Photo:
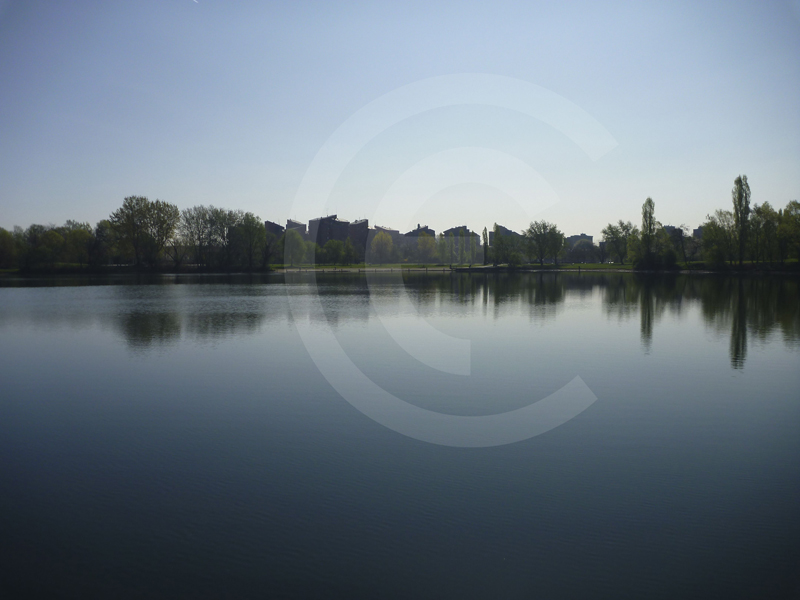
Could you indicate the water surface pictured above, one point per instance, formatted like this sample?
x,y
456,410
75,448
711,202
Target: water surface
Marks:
x,y
171,436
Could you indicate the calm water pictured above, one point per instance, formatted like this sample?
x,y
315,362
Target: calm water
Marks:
x,y
172,437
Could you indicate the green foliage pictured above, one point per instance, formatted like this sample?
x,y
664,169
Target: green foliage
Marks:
x,y
583,252
381,247
649,227
616,236
451,247
143,227
426,247
8,250
538,240
441,248
719,239
333,252
349,254
556,243
741,212
294,248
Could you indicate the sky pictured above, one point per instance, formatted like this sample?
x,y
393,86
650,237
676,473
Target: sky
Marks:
x,y
437,113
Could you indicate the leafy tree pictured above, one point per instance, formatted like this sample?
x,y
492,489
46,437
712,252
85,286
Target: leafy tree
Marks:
x,y
130,225
504,249
78,238
649,227
601,250
269,248
381,247
789,229
349,255
196,228
537,240
616,236
333,250
294,247
461,246
8,251
162,223
441,248
313,252
102,247
741,212
762,239
451,245
556,243
223,225
426,246
582,252
719,233
250,236
52,246
678,238
144,227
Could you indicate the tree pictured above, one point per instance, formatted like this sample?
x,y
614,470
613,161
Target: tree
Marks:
x,y
195,226
102,248
601,250
556,243
426,246
223,223
537,240
504,249
333,250
8,251
741,212
130,225
789,229
269,248
350,255
52,246
144,228
582,252
381,247
162,220
678,238
78,238
616,236
649,226
250,235
313,253
719,232
441,248
294,247
451,248
461,246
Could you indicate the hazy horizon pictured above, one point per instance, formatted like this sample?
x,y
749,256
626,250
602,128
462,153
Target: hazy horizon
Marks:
x,y
209,103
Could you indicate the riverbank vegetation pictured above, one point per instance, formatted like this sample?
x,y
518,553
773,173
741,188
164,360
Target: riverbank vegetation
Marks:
x,y
156,235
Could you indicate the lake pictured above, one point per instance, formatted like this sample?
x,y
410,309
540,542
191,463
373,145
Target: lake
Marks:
x,y
262,436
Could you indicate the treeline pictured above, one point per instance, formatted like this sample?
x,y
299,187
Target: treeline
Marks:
x,y
759,235
145,234
156,234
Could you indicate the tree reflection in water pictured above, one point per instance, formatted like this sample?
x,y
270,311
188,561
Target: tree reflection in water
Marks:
x,y
158,311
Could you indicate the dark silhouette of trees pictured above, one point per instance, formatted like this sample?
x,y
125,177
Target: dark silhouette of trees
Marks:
x,y
537,240
294,247
381,247
741,212
616,236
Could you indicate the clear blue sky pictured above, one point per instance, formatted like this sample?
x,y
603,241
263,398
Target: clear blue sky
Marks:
x,y
227,103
